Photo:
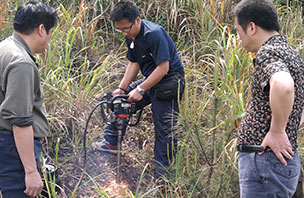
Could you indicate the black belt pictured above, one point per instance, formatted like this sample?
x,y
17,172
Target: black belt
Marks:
x,y
249,148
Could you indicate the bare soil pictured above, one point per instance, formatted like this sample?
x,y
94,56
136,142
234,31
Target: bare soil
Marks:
x,y
101,170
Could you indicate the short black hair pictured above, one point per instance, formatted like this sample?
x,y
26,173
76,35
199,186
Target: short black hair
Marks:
x,y
32,14
261,12
124,10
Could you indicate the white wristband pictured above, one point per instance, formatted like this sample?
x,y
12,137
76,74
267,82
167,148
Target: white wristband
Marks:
x,y
140,90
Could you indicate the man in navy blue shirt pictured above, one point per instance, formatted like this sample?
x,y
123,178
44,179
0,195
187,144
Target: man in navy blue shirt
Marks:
x,y
151,51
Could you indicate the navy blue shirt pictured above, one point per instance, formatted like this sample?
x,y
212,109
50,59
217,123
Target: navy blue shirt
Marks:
x,y
153,46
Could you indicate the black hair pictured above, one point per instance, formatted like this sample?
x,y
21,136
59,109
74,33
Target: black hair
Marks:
x,y
261,12
124,10
32,14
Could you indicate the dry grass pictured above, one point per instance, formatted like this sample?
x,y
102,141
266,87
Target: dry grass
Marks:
x,y
86,58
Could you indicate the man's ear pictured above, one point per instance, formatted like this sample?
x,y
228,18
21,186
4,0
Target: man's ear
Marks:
x,y
251,28
41,30
137,20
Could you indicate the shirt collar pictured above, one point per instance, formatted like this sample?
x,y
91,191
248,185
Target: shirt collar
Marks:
x,y
141,32
275,38
20,40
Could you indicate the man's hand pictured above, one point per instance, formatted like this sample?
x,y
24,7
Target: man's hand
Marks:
x,y
278,142
134,96
118,92
33,184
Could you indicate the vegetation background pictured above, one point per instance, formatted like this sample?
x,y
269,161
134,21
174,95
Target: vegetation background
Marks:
x,y
86,59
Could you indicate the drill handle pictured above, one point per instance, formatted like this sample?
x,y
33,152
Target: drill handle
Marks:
x,y
119,97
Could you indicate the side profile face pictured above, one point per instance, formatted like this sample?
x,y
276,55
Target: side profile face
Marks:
x,y
47,38
244,37
42,39
128,29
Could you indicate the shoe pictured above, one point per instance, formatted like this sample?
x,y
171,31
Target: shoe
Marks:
x,y
104,147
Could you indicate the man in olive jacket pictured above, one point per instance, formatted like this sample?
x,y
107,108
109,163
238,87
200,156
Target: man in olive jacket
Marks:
x,y
22,113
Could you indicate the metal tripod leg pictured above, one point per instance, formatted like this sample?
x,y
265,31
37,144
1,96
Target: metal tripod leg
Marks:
x,y
118,156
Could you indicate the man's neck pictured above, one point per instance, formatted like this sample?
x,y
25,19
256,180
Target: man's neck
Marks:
x,y
137,31
264,36
28,39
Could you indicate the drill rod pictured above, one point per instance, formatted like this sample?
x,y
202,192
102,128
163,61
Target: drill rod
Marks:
x,y
118,157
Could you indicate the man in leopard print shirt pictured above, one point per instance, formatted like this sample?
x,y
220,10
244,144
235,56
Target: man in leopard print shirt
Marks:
x,y
276,104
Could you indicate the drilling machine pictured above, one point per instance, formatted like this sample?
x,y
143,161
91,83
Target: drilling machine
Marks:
x,y
120,113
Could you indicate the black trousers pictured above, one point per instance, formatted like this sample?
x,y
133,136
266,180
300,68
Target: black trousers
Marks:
x,y
12,175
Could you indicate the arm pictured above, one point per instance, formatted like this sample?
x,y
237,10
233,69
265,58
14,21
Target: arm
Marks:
x,y
302,118
281,102
160,71
130,73
24,139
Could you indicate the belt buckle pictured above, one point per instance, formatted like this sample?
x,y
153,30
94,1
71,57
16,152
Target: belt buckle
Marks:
x,y
240,147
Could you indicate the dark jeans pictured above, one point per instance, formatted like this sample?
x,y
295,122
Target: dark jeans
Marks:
x,y
164,116
12,175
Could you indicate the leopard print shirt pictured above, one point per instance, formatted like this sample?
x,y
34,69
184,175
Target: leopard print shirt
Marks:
x,y
275,55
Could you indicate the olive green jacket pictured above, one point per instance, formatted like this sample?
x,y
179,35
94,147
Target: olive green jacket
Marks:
x,y
21,95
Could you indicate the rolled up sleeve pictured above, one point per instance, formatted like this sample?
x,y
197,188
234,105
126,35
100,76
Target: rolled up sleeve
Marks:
x,y
18,85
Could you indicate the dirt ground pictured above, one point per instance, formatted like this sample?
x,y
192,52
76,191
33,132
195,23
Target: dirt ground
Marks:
x,y
100,175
